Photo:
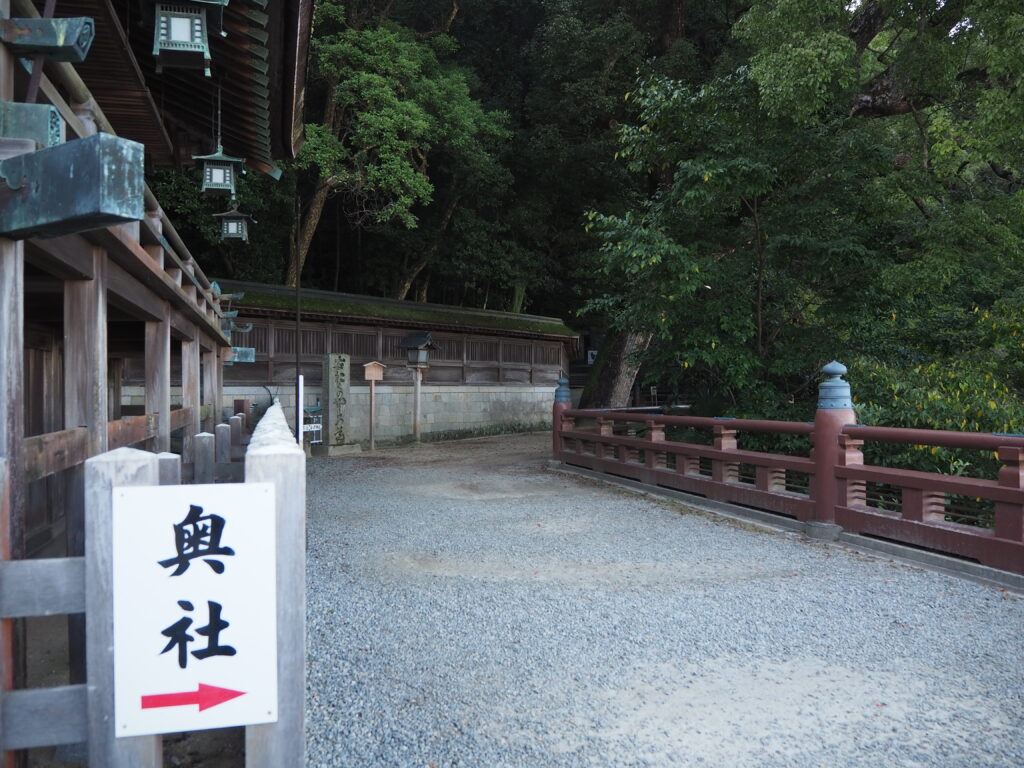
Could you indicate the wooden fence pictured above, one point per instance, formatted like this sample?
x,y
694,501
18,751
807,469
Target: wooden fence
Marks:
x,y
830,488
75,714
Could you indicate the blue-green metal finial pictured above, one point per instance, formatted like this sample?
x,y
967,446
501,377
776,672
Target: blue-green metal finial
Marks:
x,y
834,393
562,392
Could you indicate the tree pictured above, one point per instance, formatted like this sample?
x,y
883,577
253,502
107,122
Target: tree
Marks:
x,y
844,181
392,104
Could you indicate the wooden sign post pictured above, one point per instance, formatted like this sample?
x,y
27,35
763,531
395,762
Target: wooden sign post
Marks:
x,y
373,372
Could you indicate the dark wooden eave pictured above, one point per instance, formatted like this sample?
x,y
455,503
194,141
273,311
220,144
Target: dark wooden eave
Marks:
x,y
259,67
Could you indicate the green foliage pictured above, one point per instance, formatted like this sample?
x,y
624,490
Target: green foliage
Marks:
x,y
268,201
951,394
394,104
785,228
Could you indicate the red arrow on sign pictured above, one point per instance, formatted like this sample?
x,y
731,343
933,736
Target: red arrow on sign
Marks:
x,y
205,696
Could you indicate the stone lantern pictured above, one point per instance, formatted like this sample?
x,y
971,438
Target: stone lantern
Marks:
x,y
417,348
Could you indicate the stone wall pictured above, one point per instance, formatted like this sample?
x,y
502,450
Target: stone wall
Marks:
x,y
447,411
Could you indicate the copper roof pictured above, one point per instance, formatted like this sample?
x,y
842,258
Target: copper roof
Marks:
x,y
259,67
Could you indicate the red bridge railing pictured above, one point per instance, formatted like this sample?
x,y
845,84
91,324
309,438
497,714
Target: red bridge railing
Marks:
x,y
829,490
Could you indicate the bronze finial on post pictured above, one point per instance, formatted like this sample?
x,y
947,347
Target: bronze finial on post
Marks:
x,y
835,410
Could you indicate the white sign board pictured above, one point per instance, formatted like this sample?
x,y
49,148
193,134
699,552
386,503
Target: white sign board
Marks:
x,y
195,607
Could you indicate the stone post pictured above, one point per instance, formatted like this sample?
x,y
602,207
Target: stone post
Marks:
x,y
835,410
563,402
336,396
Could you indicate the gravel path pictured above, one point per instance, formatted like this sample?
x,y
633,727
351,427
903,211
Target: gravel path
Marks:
x,y
469,608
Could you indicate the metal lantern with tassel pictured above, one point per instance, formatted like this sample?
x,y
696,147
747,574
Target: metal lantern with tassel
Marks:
x,y
180,33
220,171
234,225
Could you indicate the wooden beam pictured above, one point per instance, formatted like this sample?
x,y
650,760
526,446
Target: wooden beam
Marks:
x,y
43,717
182,327
68,257
130,430
49,587
129,295
130,255
181,417
56,451
158,378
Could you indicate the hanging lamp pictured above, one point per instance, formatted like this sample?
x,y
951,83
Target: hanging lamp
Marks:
x,y
180,33
234,225
220,171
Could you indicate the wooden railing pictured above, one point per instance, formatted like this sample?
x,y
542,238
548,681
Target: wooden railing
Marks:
x,y
84,712
920,511
55,452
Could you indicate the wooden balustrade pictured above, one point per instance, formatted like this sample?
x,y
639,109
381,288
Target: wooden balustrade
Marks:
x,y
55,452
923,518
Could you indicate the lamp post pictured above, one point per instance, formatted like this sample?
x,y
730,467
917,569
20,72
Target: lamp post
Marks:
x,y
417,347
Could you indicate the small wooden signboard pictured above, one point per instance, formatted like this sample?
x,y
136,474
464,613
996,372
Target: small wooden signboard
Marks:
x,y
195,607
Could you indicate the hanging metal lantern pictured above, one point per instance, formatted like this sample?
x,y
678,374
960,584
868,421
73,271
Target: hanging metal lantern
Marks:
x,y
180,37
234,225
220,171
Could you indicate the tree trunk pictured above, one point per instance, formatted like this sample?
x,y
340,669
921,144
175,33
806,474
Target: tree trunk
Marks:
x,y
405,283
611,379
307,228
307,224
518,297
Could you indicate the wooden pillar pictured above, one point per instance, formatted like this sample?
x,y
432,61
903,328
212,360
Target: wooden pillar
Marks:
x,y
190,393
12,411
218,384
12,429
115,377
210,364
85,405
158,378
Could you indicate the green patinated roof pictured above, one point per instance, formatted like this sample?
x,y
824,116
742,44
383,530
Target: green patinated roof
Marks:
x,y
370,309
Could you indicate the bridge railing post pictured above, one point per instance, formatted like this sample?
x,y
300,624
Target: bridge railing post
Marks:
x,y
722,470
563,402
835,410
1009,523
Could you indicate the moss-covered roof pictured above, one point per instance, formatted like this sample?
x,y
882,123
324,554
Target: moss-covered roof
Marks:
x,y
370,309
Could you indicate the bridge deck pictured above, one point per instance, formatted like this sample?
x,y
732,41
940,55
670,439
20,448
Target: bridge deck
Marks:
x,y
468,607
